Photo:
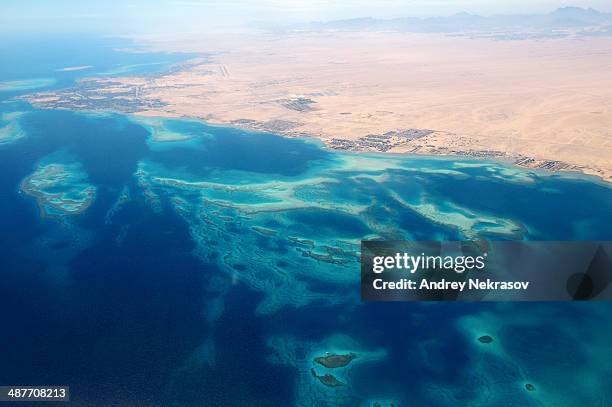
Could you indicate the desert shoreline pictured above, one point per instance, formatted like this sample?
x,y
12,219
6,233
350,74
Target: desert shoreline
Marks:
x,y
528,102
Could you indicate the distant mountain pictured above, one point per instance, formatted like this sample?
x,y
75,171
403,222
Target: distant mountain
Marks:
x,y
565,18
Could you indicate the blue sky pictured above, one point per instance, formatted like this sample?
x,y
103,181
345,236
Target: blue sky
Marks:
x,y
127,16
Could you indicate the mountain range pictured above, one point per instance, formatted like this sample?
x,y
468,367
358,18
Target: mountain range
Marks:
x,y
559,22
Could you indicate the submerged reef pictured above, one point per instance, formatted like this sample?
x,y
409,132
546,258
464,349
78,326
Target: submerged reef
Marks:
x,y
163,130
60,186
246,221
10,128
25,84
123,198
528,346
239,226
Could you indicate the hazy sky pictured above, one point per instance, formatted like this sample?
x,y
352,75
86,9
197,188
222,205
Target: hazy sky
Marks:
x,y
158,15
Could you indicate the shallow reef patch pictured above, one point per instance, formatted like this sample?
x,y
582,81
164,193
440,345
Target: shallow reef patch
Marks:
x,y
60,186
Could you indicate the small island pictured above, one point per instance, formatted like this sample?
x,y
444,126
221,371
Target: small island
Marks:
x,y
328,379
334,361
485,339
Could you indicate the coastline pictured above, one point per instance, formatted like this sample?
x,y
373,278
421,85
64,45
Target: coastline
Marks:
x,y
445,97
118,95
519,163
542,166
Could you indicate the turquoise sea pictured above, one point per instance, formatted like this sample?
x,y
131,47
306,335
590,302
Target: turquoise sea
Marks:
x,y
163,262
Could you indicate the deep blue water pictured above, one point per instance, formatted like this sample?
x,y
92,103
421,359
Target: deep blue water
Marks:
x,y
119,310
238,151
122,320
